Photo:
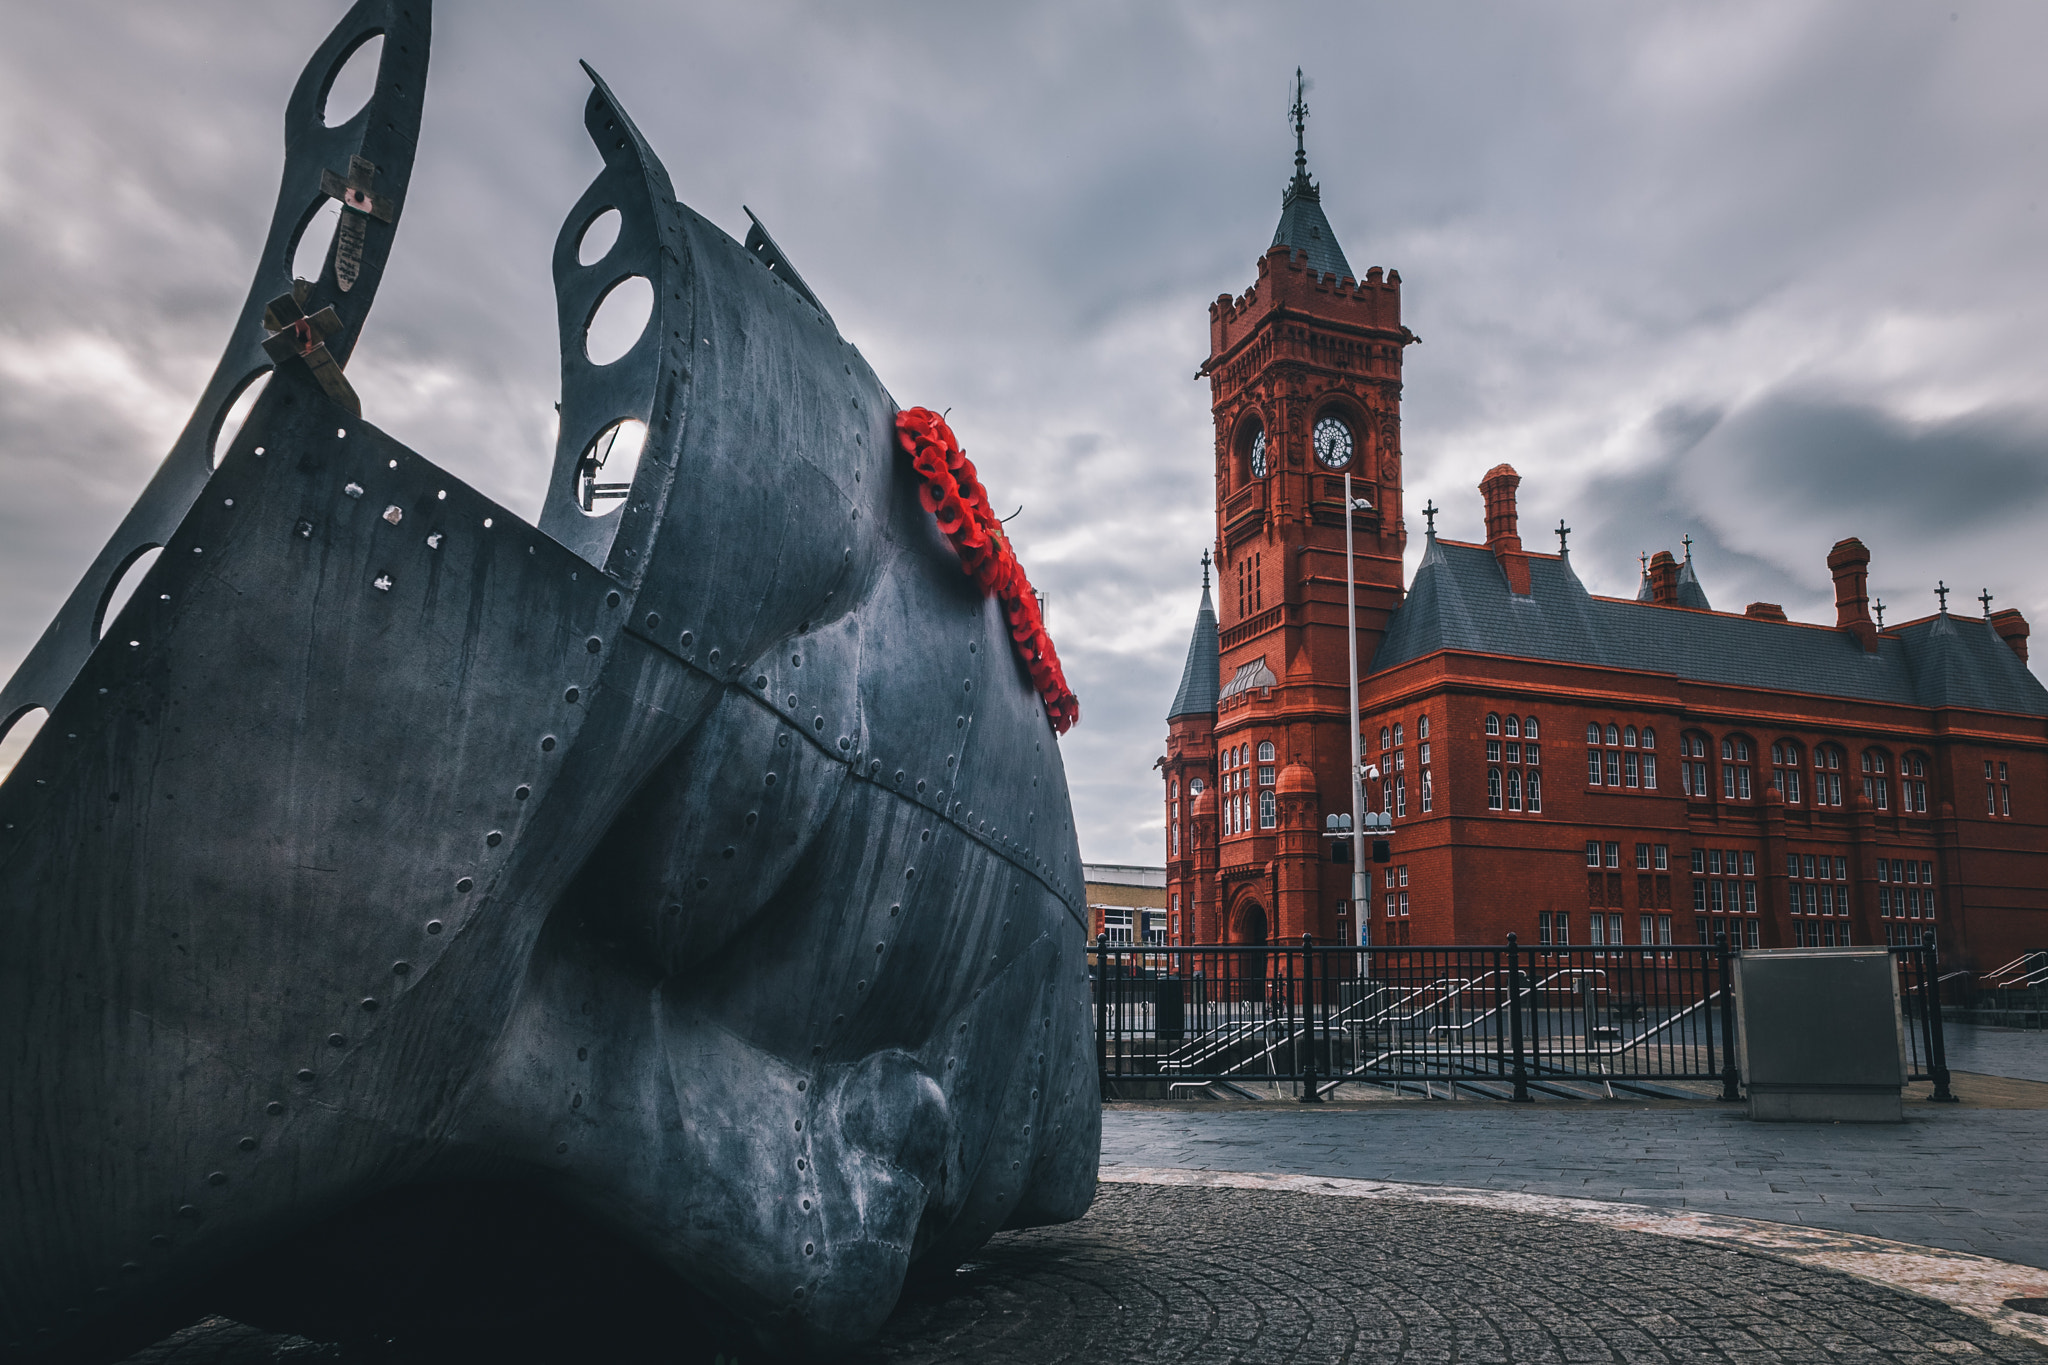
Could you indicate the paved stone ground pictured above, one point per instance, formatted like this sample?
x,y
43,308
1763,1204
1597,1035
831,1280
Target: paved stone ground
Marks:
x,y
1203,1275
1968,1180
2020,1054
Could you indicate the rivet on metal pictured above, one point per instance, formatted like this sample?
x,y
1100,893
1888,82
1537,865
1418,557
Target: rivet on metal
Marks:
x,y
462,884
433,926
336,1040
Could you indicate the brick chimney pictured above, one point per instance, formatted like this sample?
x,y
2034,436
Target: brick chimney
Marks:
x,y
1663,579
2013,629
1764,611
1850,563
1499,487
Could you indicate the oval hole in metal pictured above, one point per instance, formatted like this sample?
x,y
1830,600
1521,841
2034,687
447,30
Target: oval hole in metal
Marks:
x,y
604,476
352,83
229,423
15,736
599,236
123,587
316,241
619,319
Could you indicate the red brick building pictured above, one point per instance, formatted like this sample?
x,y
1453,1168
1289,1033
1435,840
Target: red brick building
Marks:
x,y
1569,767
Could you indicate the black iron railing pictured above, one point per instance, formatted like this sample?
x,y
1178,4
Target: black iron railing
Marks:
x,y
1501,1021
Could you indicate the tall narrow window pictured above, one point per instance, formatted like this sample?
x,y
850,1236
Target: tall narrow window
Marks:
x,y
1428,792
1614,767
1593,768
1514,789
1631,774
1535,785
1493,789
1400,795
1649,772
1268,816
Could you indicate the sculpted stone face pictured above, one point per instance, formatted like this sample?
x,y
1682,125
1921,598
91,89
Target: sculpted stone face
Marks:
x,y
699,866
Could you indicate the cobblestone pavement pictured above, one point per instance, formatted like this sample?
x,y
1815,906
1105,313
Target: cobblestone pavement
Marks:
x,y
1160,1274
1968,1180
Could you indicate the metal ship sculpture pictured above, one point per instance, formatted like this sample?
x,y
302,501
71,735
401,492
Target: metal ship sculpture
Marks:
x,y
684,886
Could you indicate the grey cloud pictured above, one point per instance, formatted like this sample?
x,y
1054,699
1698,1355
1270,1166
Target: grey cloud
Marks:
x,y
1613,220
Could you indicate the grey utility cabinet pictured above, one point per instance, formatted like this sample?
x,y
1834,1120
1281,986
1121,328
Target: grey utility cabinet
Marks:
x,y
1822,1036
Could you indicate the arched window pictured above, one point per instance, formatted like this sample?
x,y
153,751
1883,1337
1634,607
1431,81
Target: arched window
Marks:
x,y
1422,727
1266,751
1592,732
1827,775
1514,727
1535,783
1529,730
1268,812
1398,740
1492,723
1384,743
1737,777
1913,783
1628,737
1175,787
1514,789
1693,771
1785,771
1649,738
1613,733
1877,784
1493,789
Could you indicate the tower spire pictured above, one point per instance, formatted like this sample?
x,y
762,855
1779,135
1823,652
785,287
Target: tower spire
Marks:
x,y
1300,115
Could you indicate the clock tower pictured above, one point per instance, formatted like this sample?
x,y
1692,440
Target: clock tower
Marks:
x,y
1304,370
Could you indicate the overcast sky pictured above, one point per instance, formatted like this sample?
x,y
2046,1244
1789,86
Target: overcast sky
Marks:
x,y
1771,274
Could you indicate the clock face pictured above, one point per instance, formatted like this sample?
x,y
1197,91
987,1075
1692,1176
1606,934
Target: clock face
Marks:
x,y
1259,455
1333,443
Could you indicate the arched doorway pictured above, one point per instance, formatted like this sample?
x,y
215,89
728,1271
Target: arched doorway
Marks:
x,y
1248,926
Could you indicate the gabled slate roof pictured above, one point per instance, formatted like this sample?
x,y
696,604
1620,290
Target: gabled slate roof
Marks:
x,y
1198,677
1460,600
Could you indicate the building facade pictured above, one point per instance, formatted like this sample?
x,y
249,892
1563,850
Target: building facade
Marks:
x,y
1566,767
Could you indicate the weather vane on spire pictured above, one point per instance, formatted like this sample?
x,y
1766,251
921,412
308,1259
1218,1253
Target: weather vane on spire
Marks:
x,y
1300,115
1205,570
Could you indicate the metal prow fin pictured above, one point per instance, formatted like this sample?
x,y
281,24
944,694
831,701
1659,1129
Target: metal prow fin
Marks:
x,y
764,248
367,162
612,524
